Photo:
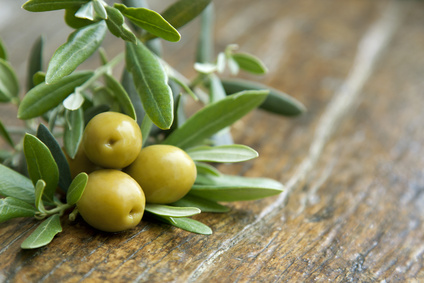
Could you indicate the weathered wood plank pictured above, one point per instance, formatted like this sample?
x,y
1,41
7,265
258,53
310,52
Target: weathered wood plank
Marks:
x,y
353,166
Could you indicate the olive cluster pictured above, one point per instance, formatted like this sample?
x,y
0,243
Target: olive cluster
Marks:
x,y
123,176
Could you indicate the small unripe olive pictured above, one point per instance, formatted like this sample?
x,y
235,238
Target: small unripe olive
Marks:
x,y
112,140
112,201
166,173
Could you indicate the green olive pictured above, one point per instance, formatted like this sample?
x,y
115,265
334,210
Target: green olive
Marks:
x,y
80,163
112,140
112,201
166,173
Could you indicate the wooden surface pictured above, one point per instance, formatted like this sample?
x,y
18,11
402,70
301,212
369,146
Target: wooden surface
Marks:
x,y
353,165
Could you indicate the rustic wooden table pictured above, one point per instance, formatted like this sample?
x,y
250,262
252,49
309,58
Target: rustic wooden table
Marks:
x,y
353,165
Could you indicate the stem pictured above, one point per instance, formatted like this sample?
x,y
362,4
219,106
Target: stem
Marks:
x,y
57,210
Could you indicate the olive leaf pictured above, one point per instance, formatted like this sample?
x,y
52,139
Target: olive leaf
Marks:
x,y
81,44
9,85
5,134
151,83
13,184
99,9
234,188
44,97
50,5
48,139
39,191
35,61
127,82
121,96
74,22
249,63
188,224
204,168
171,211
3,51
73,132
276,102
224,153
76,189
44,233
86,12
12,208
205,205
41,164
214,117
150,21
204,50
116,25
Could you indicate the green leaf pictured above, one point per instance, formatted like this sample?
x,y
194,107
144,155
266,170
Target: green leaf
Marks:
x,y
35,61
9,85
39,191
73,21
44,233
81,44
215,117
73,131
41,164
189,224
121,95
205,205
276,102
13,184
127,82
249,63
151,21
223,153
171,211
3,51
183,11
38,78
12,208
234,188
205,169
205,46
86,12
5,134
50,5
99,9
216,90
44,97
151,83
116,25
76,189
146,127
48,139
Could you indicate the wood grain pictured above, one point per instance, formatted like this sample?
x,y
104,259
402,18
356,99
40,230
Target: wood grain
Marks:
x,y
353,165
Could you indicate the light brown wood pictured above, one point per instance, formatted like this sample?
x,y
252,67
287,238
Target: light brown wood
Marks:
x,y
353,165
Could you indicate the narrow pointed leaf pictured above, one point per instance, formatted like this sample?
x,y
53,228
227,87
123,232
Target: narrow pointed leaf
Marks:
x,y
276,102
215,117
205,205
5,134
81,44
41,164
9,85
190,225
121,95
39,190
99,9
205,46
73,21
150,21
48,139
249,63
127,82
73,132
171,211
116,25
183,11
235,188
44,97
76,189
12,208
86,12
223,153
151,83
206,169
44,233
13,184
35,61
50,5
